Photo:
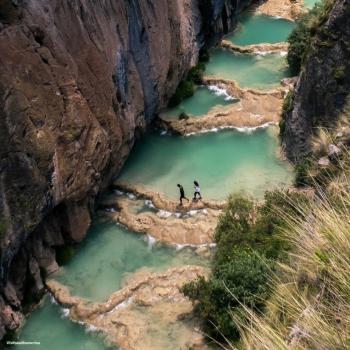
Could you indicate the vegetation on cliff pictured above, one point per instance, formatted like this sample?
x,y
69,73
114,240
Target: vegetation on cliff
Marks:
x,y
248,245
187,87
309,306
301,39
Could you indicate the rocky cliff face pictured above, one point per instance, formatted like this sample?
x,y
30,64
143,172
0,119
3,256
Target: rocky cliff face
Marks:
x,y
323,85
79,80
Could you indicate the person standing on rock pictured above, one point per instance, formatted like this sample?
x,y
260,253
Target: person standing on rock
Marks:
x,y
182,194
197,190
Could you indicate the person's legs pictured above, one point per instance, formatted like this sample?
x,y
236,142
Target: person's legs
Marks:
x,y
199,195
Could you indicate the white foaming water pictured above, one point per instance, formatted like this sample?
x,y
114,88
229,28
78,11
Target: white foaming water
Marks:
x,y
164,214
283,53
119,193
221,92
53,300
182,246
149,204
65,312
110,210
90,329
151,241
245,129
131,195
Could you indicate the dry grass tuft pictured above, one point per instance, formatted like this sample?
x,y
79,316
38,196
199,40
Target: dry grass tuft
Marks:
x,y
310,307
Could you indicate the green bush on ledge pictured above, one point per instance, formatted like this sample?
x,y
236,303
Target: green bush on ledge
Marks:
x,y
248,243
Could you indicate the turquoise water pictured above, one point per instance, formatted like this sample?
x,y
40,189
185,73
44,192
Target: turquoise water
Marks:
x,y
110,253
310,3
54,332
201,102
254,71
260,29
223,162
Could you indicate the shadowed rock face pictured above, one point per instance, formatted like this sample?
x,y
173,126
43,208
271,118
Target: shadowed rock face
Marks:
x,y
78,81
323,85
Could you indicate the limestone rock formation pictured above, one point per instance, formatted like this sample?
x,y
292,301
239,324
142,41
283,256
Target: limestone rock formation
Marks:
x,y
79,80
149,313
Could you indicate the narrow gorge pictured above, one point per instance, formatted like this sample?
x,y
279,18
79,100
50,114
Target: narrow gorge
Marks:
x,y
105,107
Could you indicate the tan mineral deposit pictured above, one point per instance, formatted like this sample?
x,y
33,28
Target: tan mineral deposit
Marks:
x,y
256,108
149,313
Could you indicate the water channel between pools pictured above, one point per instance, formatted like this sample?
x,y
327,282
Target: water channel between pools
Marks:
x,y
223,162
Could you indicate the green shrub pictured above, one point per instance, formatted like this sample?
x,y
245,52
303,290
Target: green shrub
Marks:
x,y
301,39
242,279
232,228
184,90
286,108
204,55
64,254
196,73
183,116
288,103
339,73
186,87
302,170
249,241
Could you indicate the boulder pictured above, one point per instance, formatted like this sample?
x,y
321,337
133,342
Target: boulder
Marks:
x,y
333,152
324,161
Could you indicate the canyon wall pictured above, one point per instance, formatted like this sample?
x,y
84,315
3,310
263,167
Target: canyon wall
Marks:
x,y
79,81
323,84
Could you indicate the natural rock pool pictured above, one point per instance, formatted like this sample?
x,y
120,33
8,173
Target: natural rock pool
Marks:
x,y
49,325
223,162
110,253
262,71
261,29
203,100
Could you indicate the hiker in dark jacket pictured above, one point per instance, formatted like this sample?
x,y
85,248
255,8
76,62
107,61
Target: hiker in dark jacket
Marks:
x,y
182,194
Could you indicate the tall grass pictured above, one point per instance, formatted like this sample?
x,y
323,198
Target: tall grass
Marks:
x,y
310,306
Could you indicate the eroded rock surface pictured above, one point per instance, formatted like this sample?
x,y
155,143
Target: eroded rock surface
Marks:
x,y
323,85
254,49
181,227
287,9
149,313
256,108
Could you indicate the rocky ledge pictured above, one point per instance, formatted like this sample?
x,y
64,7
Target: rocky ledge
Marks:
x,y
255,108
149,313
